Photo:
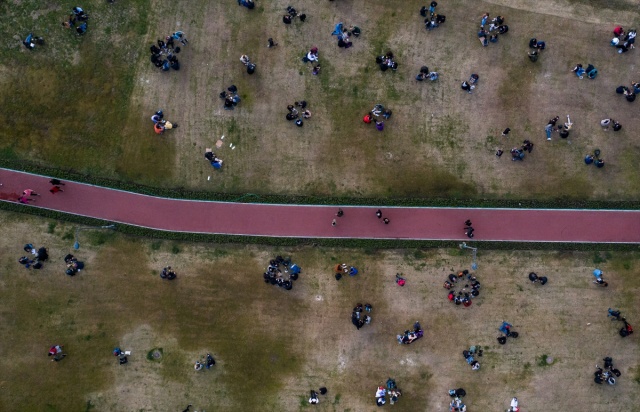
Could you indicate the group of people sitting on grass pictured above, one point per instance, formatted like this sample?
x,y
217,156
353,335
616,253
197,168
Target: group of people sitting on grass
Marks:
x,y
629,93
537,46
230,96
357,317
590,71
78,19
468,284
247,3
206,363
496,27
622,41
57,353
168,273
73,265
377,112
295,115
518,153
470,356
409,336
456,404
292,14
615,315
211,157
31,41
160,124
344,34
251,67
274,273
164,54
596,160
343,268
432,19
425,74
386,61
469,85
39,256
391,390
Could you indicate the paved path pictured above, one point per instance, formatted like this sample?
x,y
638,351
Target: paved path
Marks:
x,y
525,225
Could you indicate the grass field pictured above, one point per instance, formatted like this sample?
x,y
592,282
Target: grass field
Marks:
x,y
83,103
272,346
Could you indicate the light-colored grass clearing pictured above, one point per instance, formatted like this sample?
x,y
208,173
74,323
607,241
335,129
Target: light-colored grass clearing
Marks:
x,y
272,346
84,103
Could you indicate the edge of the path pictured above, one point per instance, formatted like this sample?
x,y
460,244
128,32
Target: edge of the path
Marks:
x,y
183,193
369,245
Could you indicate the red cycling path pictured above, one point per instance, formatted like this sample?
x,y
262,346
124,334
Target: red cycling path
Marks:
x,y
303,221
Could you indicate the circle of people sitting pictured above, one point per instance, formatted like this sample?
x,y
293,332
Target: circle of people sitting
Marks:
x,y
469,288
357,318
432,19
274,276
294,114
168,273
77,19
73,265
391,390
373,116
496,27
456,404
408,336
39,257
344,34
341,268
160,124
164,54
386,62
230,96
470,356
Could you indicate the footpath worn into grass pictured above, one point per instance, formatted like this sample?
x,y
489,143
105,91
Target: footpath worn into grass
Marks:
x,y
273,346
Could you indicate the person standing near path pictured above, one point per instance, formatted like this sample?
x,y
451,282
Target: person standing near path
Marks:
x,y
379,213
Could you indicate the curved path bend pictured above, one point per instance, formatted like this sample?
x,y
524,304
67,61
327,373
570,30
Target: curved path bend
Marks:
x,y
273,220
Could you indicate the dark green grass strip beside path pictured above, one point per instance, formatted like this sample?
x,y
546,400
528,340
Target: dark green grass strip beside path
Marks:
x,y
182,193
298,224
